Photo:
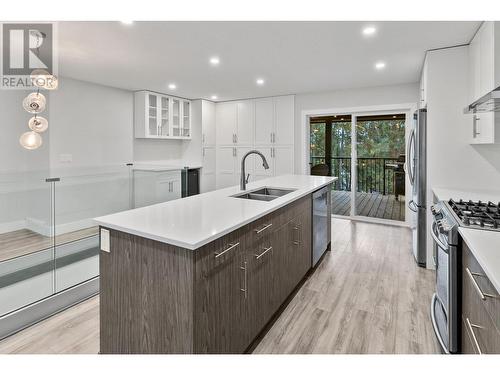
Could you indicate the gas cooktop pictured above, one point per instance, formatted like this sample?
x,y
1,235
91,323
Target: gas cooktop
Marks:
x,y
481,215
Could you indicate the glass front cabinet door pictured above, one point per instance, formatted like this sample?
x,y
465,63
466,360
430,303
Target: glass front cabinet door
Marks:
x,y
186,118
161,116
152,113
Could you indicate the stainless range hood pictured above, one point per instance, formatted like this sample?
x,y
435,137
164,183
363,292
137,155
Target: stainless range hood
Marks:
x,y
487,103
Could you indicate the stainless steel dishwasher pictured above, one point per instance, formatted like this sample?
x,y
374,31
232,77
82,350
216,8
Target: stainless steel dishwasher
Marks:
x,y
321,221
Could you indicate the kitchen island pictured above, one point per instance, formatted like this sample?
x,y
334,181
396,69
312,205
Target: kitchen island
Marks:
x,y
204,274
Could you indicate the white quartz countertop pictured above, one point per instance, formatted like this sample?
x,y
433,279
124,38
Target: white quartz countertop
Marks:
x,y
444,194
485,245
162,168
197,220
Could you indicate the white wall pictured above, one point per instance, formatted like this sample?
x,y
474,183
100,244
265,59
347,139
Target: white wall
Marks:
x,y
92,123
452,161
371,96
22,172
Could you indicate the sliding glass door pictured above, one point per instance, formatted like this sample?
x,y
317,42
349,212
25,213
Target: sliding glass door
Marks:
x,y
380,155
331,156
367,154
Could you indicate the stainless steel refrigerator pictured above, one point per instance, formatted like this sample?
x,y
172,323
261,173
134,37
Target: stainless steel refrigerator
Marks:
x,y
416,168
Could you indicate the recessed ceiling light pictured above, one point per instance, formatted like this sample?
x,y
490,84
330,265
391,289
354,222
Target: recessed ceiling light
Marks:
x,y
127,22
260,81
214,97
369,30
380,65
214,60
393,116
172,86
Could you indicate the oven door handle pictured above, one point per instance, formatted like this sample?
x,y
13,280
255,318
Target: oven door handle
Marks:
x,y
434,323
436,238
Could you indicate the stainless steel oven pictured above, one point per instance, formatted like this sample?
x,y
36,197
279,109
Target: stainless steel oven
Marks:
x,y
444,305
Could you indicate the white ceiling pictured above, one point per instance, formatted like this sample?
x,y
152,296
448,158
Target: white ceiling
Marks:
x,y
293,57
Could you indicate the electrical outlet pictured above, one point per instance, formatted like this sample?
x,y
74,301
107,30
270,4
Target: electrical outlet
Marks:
x,y
105,240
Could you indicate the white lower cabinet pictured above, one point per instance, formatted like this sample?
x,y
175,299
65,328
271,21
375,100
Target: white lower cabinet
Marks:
x,y
207,180
280,160
283,160
229,165
151,187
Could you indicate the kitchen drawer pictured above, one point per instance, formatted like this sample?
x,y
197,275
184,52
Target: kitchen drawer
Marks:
x,y
168,176
468,346
264,226
481,330
221,251
491,301
481,327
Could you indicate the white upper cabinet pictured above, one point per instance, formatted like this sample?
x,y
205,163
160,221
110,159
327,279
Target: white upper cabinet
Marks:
x,y
274,120
284,120
264,121
208,123
483,72
245,122
161,116
226,115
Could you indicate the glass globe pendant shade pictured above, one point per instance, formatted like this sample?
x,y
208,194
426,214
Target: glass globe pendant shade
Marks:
x,y
30,140
39,77
34,103
51,82
38,124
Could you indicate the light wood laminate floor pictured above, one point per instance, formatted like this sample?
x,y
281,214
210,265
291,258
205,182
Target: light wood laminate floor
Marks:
x,y
24,241
367,296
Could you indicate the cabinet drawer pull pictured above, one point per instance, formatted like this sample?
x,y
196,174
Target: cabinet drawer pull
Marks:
x,y
476,285
257,231
257,256
245,285
474,338
231,246
297,242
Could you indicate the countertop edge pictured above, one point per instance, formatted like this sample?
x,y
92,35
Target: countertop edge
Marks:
x,y
492,276
195,246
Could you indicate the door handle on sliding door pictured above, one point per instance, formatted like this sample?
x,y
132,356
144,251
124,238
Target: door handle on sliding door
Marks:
x,y
412,206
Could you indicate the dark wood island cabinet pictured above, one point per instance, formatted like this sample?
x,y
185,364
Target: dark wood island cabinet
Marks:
x,y
159,298
480,309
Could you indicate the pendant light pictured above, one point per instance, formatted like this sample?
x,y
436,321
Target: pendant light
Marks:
x,y
30,140
38,124
43,79
34,103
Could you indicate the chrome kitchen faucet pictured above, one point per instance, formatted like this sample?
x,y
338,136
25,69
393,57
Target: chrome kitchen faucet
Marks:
x,y
243,179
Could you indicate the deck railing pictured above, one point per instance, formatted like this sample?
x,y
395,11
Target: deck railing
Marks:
x,y
373,173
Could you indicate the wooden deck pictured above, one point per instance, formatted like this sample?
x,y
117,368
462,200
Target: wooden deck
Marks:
x,y
373,205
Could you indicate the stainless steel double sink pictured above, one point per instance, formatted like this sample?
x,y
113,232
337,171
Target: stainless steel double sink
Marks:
x,y
264,194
